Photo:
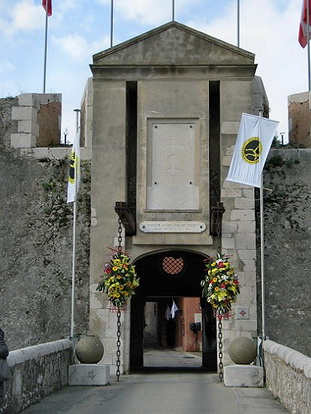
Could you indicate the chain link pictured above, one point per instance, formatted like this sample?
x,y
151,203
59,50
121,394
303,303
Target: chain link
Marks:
x,y
118,344
119,235
220,354
119,310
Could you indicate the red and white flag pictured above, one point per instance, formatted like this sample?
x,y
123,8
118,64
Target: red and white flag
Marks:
x,y
47,5
305,30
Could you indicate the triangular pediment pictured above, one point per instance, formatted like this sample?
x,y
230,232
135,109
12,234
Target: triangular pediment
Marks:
x,y
173,44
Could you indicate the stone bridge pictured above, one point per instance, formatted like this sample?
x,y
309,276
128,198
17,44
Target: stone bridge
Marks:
x,y
40,370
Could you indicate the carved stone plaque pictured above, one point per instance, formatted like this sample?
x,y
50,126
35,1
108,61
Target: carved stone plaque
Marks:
x,y
172,226
173,166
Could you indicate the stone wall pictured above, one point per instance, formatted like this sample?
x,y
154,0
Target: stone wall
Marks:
x,y
37,371
38,119
238,241
287,218
36,244
288,377
299,117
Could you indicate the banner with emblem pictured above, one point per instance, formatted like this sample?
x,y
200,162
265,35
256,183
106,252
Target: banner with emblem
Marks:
x,y
251,150
74,170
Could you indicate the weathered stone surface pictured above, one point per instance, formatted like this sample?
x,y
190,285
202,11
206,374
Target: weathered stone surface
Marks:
x,y
36,246
37,371
89,374
243,376
288,377
287,218
89,350
242,350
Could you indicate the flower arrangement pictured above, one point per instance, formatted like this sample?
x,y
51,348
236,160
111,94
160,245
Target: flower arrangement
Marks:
x,y
119,280
221,285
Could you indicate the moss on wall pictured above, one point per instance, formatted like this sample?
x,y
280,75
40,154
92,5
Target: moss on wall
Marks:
x,y
36,249
287,218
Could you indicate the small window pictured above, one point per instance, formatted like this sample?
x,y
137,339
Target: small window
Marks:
x,y
173,266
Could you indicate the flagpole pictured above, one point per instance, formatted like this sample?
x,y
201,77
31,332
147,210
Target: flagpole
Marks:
x,y
111,24
74,244
45,47
238,22
173,10
308,43
262,258
262,262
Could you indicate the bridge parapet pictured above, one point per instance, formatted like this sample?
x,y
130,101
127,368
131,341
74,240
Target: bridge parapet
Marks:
x,y
37,371
288,377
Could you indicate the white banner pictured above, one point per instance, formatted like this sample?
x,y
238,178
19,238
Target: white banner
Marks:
x,y
251,149
74,170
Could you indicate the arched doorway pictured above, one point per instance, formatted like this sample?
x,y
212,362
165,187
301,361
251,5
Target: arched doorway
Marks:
x,y
170,275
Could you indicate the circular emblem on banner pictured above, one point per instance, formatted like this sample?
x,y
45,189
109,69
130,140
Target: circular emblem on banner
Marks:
x,y
251,150
72,167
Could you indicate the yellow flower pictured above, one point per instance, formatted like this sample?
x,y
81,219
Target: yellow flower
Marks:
x,y
216,289
215,279
115,268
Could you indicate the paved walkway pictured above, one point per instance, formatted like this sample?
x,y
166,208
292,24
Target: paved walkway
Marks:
x,y
179,391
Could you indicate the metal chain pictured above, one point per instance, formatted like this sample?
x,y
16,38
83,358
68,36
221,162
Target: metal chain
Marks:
x,y
220,344
120,235
119,310
220,355
118,344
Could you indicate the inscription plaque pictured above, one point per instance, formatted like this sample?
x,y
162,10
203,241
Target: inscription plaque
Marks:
x,y
172,226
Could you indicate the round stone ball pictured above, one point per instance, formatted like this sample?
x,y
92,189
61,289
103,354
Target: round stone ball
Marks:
x,y
89,350
242,351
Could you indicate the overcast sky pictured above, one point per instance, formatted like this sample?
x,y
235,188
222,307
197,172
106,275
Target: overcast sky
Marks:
x,y
78,29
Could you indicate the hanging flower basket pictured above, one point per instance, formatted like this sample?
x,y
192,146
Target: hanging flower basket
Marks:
x,y
221,284
119,280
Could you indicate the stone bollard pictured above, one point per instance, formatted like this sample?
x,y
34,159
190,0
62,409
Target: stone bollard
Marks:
x,y
243,351
89,351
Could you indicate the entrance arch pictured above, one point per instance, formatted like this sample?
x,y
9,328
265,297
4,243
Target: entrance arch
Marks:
x,y
172,273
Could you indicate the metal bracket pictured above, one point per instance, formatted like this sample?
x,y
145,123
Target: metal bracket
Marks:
x,y
126,217
217,212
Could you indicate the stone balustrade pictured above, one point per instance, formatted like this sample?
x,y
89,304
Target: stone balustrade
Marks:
x,y
288,377
37,371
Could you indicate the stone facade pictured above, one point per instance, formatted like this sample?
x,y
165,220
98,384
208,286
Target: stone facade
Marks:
x,y
173,74
37,226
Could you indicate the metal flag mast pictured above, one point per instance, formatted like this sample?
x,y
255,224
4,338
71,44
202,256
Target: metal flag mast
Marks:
x,y
173,10
262,266
308,44
45,47
238,23
73,275
111,24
